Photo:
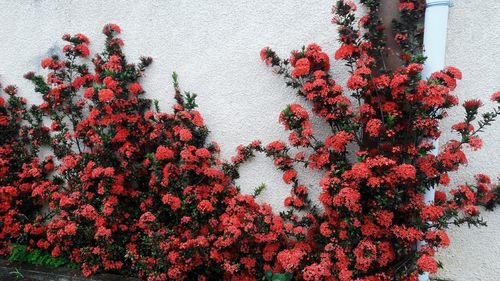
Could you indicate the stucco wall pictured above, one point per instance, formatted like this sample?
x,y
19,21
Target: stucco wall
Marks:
x,y
214,47
473,45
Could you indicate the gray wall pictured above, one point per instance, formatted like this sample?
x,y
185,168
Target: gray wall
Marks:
x,y
214,47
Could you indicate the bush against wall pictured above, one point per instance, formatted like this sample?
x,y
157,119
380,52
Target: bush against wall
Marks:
x,y
125,188
375,224
98,176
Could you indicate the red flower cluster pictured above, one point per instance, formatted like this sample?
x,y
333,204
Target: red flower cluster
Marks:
x,y
296,118
374,213
22,174
134,190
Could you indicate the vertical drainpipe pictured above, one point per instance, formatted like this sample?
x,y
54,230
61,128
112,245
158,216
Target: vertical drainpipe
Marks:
x,y
435,29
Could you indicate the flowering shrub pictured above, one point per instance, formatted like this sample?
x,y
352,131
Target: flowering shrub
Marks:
x,y
373,207
21,171
124,188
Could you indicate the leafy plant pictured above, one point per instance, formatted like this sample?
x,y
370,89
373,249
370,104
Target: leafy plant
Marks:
x,y
17,274
21,253
270,276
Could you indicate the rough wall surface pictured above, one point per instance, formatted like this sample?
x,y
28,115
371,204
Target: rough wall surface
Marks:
x,y
473,44
214,47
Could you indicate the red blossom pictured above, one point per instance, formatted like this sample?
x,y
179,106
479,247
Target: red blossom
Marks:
x,y
495,97
432,213
106,95
453,71
344,51
205,206
185,135
135,88
472,105
163,153
406,6
290,259
302,67
289,176
427,263
265,55
374,127
111,28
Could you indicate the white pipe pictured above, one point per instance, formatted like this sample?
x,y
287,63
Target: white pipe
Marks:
x,y
435,29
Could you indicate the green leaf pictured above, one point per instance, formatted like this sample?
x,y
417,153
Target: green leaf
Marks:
x,y
174,78
279,277
268,275
259,189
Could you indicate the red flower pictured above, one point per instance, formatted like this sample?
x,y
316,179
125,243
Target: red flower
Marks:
x,y
163,153
438,236
397,80
275,146
366,253
382,81
83,50
205,206
302,67
10,89
471,210
427,263
444,180
356,82
110,28
89,93
384,218
46,62
482,178
110,83
114,64
69,162
289,176
406,6
82,38
265,55
344,51
495,97
454,72
475,142
414,68
348,198
203,153
290,259
147,217
374,127
106,95
135,88
185,135
405,171
70,229
472,105
173,201
432,213
339,141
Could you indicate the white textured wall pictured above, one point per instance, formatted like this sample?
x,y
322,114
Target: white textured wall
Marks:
x,y
473,45
214,46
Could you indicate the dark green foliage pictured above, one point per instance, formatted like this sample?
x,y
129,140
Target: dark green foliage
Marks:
x,y
259,189
270,276
21,253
